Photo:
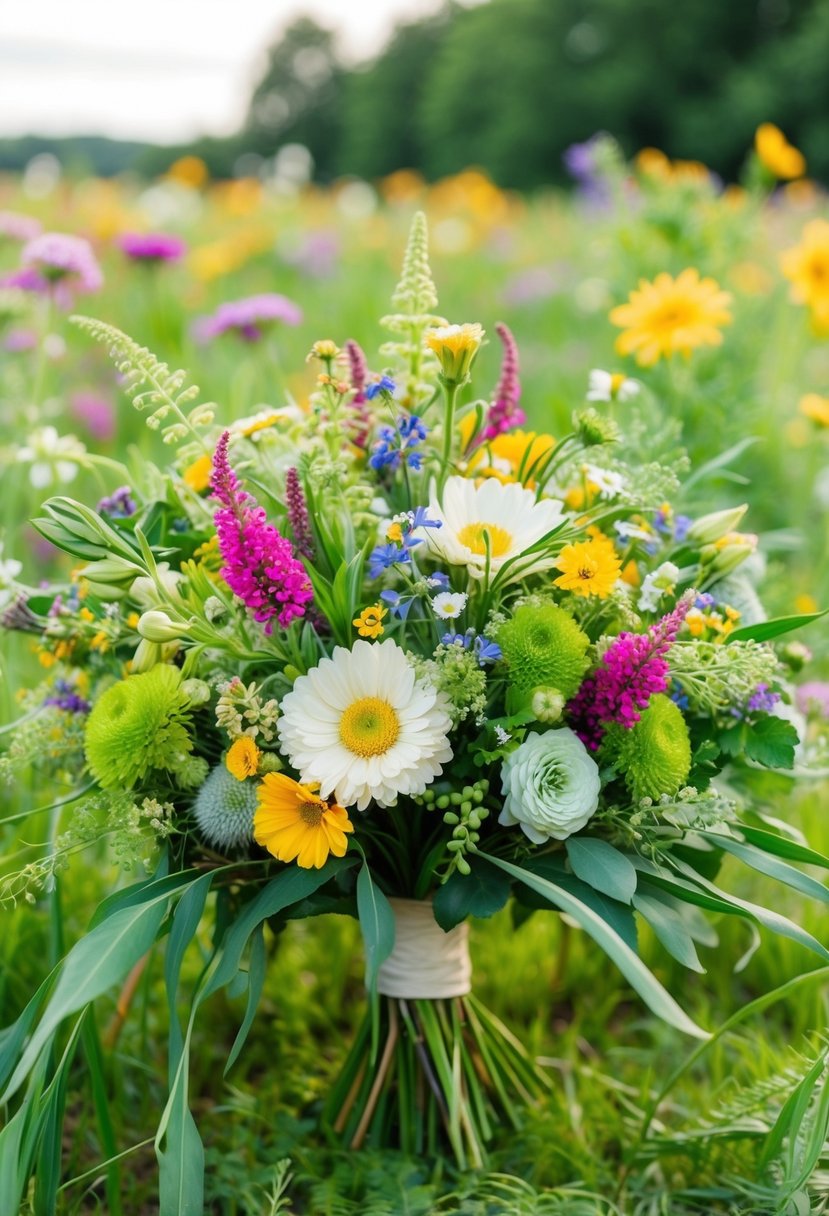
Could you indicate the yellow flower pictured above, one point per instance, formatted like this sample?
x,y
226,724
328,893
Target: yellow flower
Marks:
x,y
197,474
100,642
805,604
512,456
394,533
294,824
242,759
188,171
369,624
777,154
816,408
132,620
455,346
807,267
325,349
671,316
589,567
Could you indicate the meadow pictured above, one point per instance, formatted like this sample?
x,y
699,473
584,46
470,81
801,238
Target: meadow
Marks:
x,y
640,1121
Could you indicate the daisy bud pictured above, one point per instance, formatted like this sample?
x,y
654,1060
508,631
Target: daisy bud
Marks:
x,y
456,347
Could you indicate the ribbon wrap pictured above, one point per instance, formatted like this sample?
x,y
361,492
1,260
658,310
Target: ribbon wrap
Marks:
x,y
426,963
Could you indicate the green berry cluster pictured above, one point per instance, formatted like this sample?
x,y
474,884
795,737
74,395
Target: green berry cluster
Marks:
x,y
464,811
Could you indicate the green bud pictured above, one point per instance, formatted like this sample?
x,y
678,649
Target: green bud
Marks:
x,y
442,802
709,528
463,866
450,819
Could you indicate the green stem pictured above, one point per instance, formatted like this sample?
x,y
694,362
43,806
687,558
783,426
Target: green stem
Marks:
x,y
451,391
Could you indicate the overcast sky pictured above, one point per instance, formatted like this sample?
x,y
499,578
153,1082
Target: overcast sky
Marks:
x,y
163,70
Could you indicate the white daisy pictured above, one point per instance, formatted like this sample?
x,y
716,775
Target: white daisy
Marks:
x,y
607,481
449,604
364,727
610,386
51,457
506,517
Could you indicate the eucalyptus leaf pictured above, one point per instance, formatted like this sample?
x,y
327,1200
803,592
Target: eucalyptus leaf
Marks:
x,y
601,866
669,928
764,863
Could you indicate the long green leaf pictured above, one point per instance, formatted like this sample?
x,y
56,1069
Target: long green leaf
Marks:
x,y
376,924
783,846
764,631
634,970
772,866
256,982
601,866
669,928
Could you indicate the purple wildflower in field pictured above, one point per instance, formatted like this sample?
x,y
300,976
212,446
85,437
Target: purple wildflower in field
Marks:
x,y
96,413
259,563
248,318
315,255
14,226
762,700
118,505
298,515
361,413
66,697
813,697
20,339
583,163
152,247
64,264
632,670
504,412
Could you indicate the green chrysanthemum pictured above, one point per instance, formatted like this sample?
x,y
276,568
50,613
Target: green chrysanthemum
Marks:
x,y
654,756
544,646
224,809
137,725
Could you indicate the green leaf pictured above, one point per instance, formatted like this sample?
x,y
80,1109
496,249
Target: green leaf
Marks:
x,y
256,982
93,965
181,1162
186,921
761,861
601,866
634,970
763,631
771,741
482,893
376,925
619,916
667,923
783,846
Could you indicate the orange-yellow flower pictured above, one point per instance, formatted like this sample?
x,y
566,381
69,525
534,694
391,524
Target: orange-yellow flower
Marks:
x,y
294,824
777,154
197,474
590,567
512,456
242,759
671,316
455,346
816,408
369,624
806,266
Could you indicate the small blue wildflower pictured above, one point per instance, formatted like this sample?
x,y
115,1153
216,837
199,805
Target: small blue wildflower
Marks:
x,y
438,581
704,601
399,605
486,651
419,518
456,639
678,695
681,525
662,521
396,444
383,557
384,385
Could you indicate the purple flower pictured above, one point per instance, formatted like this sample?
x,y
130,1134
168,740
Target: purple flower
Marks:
x,y
361,414
813,697
505,413
247,318
762,700
259,563
63,262
66,698
384,384
118,505
316,255
632,670
152,247
18,227
19,339
298,515
681,525
95,412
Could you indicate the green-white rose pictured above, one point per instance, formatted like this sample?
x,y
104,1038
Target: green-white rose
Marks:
x,y
551,785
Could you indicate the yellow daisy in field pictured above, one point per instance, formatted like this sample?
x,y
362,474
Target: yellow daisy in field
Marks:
x,y
806,266
671,316
590,567
294,824
815,407
776,153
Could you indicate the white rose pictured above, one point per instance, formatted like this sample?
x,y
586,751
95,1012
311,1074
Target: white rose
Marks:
x,y
551,784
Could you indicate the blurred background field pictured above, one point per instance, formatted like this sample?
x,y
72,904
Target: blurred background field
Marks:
x,y
308,192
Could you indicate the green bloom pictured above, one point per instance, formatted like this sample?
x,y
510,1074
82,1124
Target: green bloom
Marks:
x,y
544,647
224,809
654,756
137,725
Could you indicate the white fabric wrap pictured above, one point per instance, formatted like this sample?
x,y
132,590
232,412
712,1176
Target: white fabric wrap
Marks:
x,y
425,962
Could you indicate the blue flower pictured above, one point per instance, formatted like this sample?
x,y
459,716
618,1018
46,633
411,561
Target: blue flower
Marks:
x,y
681,525
384,385
399,605
383,557
438,581
419,518
456,639
396,444
678,695
486,651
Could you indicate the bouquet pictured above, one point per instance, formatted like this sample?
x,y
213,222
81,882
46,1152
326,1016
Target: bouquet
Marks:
x,y
392,656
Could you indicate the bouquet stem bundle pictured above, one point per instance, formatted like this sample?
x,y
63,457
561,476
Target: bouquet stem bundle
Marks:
x,y
444,1073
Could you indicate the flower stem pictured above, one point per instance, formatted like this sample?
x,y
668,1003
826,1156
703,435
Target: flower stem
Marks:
x,y
451,391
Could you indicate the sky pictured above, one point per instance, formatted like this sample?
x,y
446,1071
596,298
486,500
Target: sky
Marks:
x,y
162,70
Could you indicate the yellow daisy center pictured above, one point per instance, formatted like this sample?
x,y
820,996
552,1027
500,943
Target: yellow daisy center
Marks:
x,y
616,382
312,813
473,536
369,727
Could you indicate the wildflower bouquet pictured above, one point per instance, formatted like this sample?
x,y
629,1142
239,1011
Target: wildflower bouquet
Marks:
x,y
391,656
